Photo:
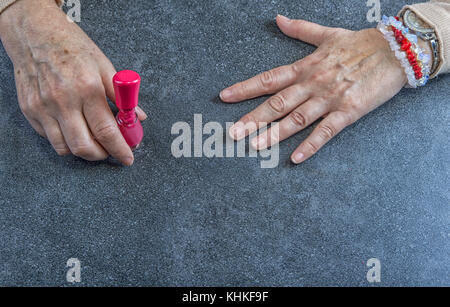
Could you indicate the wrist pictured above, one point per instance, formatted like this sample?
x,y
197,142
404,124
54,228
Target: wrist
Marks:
x,y
425,45
405,45
25,22
21,10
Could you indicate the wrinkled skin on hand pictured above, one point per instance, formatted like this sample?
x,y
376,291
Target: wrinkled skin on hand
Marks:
x,y
349,75
62,81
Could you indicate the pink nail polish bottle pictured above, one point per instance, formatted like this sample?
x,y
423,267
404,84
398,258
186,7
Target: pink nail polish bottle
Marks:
x,y
126,87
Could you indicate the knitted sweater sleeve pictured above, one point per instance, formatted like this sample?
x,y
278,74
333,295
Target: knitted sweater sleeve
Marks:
x,y
436,13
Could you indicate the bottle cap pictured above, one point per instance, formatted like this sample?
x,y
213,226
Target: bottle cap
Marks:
x,y
126,87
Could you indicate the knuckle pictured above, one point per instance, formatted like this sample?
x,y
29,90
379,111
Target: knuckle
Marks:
x,y
351,118
317,77
89,85
26,109
277,103
105,132
52,92
46,94
248,118
250,122
313,148
61,149
64,112
347,118
320,77
241,88
355,104
267,80
335,92
53,97
297,67
40,132
298,118
81,150
32,106
327,132
274,134
352,104
326,34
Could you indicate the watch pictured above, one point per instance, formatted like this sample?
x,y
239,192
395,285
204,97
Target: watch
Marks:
x,y
426,33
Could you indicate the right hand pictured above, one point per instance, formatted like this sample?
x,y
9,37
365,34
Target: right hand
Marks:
x,y
62,81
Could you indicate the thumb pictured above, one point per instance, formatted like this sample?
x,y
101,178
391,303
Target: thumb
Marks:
x,y
306,31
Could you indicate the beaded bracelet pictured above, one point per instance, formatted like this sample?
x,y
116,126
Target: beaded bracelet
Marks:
x,y
412,58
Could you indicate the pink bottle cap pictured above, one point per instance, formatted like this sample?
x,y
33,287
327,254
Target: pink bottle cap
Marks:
x,y
126,86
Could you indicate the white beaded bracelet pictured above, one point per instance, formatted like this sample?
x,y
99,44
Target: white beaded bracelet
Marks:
x,y
417,74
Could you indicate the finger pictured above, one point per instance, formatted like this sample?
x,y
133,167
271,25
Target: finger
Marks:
x,y
141,114
268,82
104,127
306,31
299,119
55,136
107,73
27,109
78,137
325,131
274,108
36,126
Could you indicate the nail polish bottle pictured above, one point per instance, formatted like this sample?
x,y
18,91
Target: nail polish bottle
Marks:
x,y
126,87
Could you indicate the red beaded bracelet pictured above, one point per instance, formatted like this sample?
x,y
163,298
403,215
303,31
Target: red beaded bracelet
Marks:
x,y
406,46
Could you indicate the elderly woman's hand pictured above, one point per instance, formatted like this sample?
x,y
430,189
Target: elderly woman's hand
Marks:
x,y
62,81
349,75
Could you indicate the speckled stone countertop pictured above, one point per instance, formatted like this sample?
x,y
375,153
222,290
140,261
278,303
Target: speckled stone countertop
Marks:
x,y
379,190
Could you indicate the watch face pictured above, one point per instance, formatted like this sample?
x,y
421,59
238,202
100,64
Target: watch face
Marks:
x,y
415,23
414,20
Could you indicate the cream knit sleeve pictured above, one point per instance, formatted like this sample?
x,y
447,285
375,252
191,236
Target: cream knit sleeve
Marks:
x,y
436,13
5,3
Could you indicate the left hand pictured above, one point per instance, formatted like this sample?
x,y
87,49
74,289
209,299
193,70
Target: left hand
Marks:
x,y
349,75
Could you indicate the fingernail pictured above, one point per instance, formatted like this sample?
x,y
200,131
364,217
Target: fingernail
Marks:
x,y
139,110
284,18
225,94
128,161
259,143
237,131
298,158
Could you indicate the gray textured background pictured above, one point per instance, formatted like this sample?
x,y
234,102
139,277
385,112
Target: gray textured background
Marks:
x,y
380,189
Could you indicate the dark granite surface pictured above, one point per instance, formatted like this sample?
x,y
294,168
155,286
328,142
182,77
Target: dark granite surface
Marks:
x,y
380,189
